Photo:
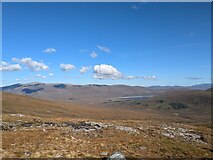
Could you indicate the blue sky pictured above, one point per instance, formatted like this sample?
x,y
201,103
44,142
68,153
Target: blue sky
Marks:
x,y
115,43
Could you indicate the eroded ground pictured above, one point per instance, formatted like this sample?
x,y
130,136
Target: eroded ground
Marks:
x,y
27,136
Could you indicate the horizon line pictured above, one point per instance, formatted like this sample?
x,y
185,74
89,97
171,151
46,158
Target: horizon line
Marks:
x,y
108,84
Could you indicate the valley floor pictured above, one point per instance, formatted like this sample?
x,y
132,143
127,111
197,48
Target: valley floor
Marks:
x,y
28,136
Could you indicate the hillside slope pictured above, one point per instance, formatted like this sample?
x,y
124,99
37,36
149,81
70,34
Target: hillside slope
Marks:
x,y
88,94
83,94
189,104
20,104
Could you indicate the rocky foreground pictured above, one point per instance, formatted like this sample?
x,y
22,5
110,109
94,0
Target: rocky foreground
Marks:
x,y
26,137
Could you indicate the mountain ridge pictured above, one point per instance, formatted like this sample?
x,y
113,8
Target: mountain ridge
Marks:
x,y
196,86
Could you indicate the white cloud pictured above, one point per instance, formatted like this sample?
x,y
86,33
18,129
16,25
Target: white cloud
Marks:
x,y
138,5
4,63
93,54
141,77
130,77
17,80
49,50
104,49
67,67
9,67
149,77
134,6
41,76
32,65
50,74
193,78
104,71
84,69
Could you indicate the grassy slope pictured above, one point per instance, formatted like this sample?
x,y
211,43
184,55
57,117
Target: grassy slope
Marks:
x,y
197,102
149,143
19,104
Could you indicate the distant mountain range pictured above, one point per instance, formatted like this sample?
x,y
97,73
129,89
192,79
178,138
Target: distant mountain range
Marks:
x,y
193,87
91,93
191,102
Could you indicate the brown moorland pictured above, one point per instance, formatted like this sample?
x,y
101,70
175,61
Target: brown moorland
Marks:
x,y
39,128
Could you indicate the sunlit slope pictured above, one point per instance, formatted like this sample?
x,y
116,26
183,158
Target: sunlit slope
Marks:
x,y
27,105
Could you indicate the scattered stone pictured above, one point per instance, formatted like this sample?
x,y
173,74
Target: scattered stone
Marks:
x,y
58,156
127,129
142,148
188,135
117,156
18,115
27,153
104,153
27,125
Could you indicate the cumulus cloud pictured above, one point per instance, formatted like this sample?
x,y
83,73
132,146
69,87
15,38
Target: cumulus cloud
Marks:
x,y
67,67
50,74
93,54
84,69
104,71
104,49
32,65
49,50
9,67
193,78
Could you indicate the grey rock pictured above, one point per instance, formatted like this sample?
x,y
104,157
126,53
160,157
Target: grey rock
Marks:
x,y
117,155
27,124
104,153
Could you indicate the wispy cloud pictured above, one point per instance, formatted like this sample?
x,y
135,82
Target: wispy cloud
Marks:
x,y
9,67
141,77
149,77
193,78
49,50
104,49
32,65
67,67
50,74
93,54
84,69
135,7
41,76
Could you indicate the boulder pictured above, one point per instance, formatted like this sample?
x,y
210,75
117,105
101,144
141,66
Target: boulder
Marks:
x,y
117,156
